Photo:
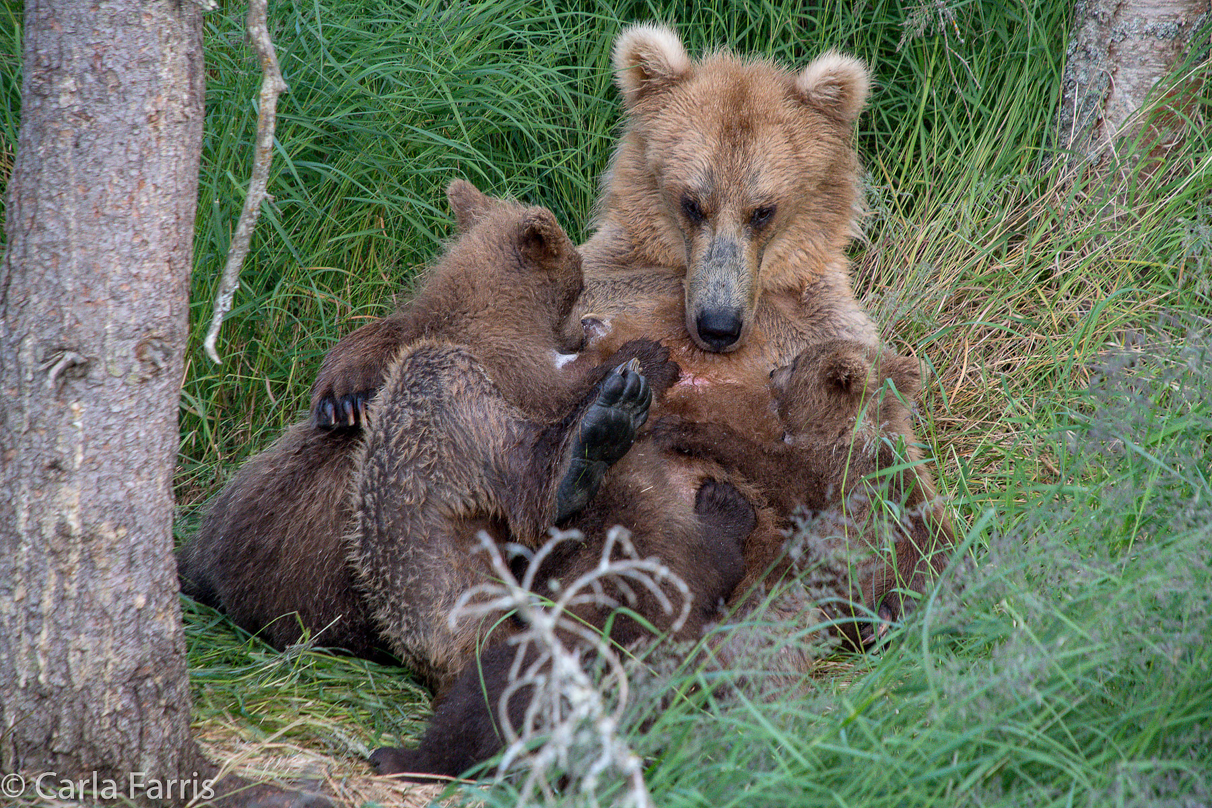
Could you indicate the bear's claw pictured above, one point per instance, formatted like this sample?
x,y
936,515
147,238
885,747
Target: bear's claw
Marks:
x,y
873,634
603,435
342,412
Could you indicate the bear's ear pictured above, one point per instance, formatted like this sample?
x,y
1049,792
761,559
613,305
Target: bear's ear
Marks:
x,y
468,203
780,377
905,373
846,372
835,84
648,58
541,240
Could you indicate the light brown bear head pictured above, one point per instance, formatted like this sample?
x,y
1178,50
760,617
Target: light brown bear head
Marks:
x,y
512,265
740,171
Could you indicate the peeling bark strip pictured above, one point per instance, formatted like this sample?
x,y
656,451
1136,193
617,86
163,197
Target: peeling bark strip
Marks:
x,y
1118,51
272,85
93,320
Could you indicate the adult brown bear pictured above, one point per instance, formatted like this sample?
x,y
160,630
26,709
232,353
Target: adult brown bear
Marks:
x,y
721,233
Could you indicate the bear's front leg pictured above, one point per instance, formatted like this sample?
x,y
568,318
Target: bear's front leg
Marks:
x,y
567,460
353,371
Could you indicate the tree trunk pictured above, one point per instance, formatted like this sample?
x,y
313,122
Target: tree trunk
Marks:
x,y
1118,51
93,322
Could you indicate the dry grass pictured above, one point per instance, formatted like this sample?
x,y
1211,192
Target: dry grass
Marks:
x,y
345,781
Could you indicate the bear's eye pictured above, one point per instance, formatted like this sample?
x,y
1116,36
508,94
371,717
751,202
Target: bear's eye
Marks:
x,y
761,217
692,210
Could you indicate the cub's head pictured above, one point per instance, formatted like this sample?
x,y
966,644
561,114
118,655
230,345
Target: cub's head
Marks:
x,y
741,171
843,394
512,264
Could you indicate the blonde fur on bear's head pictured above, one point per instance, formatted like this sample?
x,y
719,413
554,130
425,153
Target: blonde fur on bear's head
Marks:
x,y
647,57
835,83
742,175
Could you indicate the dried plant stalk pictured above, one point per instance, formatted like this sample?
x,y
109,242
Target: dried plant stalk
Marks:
x,y
272,85
570,709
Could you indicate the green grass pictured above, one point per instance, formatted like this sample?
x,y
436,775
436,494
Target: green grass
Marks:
x,y
1063,660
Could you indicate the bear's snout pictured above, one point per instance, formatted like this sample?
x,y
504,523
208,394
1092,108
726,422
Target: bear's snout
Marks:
x,y
719,329
719,287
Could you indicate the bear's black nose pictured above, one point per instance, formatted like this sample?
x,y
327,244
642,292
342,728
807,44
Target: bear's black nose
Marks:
x,y
719,328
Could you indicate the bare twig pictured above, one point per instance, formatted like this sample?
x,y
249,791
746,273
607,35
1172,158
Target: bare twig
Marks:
x,y
272,85
569,708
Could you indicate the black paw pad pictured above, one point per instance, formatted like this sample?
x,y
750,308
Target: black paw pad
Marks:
x,y
723,505
392,760
603,435
874,633
727,518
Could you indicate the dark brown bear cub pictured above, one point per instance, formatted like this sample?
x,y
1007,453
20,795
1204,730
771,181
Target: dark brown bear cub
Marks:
x,y
466,728
864,494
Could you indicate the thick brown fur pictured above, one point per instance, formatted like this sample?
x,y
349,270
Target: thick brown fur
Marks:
x,y
479,426
731,198
272,544
721,233
268,552
866,510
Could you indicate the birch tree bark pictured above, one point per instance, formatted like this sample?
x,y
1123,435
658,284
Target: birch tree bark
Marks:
x,y
1118,51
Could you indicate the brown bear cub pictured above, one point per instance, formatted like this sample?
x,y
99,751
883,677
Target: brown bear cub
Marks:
x,y
857,490
465,729
437,435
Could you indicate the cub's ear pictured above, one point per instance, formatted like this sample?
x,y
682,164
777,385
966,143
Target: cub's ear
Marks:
x,y
846,372
648,58
541,240
780,378
905,372
468,204
835,84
